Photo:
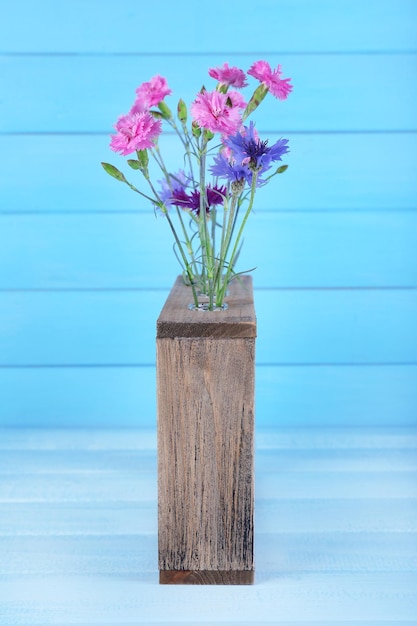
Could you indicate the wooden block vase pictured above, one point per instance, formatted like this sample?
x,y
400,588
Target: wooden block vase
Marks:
x,y
205,395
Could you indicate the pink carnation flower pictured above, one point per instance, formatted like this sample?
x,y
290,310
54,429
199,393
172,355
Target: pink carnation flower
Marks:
x,y
229,76
218,112
135,131
151,93
236,99
279,87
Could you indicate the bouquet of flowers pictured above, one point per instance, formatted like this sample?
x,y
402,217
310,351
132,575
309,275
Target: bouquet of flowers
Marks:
x,y
208,200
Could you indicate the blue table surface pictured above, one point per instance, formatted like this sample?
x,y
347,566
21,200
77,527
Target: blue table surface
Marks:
x,y
336,531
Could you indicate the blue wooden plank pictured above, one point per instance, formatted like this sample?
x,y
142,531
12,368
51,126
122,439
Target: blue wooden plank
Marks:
x,y
327,172
81,328
96,555
275,485
331,92
294,327
58,458
337,327
77,26
109,251
336,396
78,397
286,517
365,447
88,559
292,396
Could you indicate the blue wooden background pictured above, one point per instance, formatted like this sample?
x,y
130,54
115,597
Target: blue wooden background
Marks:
x,y
85,267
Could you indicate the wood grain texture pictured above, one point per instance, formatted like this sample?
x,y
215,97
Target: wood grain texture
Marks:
x,y
238,320
205,442
87,555
228,577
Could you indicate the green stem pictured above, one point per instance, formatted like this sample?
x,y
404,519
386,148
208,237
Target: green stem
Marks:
x,y
224,226
186,142
238,237
206,244
202,214
227,230
187,265
187,242
184,258
138,191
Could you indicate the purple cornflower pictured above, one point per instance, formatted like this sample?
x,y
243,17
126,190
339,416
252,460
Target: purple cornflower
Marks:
x,y
176,183
191,202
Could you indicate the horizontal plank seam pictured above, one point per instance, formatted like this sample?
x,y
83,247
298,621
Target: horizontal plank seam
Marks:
x,y
165,289
78,212
105,133
283,364
196,53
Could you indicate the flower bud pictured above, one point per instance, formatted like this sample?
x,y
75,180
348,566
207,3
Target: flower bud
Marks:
x,y
143,158
134,164
165,110
182,111
281,169
113,171
257,97
237,187
196,130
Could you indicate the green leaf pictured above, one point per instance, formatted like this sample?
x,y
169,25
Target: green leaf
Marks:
x,y
113,171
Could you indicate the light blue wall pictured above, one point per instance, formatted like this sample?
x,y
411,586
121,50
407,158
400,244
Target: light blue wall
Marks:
x,y
85,267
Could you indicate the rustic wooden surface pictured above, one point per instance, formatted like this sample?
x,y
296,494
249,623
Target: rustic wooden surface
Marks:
x,y
205,441
238,320
215,577
205,426
336,529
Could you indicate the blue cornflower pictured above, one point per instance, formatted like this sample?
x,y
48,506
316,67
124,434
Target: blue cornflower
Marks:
x,y
231,169
253,152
